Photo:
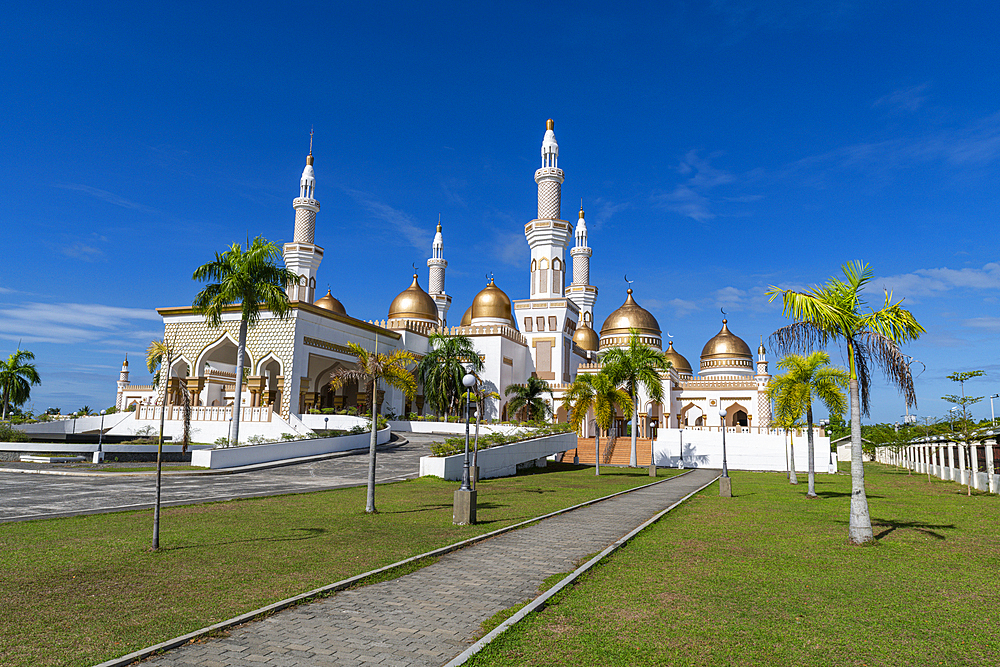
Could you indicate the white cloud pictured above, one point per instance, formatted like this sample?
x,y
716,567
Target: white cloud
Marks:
x,y
416,235
988,323
930,282
69,323
83,251
109,197
693,198
906,99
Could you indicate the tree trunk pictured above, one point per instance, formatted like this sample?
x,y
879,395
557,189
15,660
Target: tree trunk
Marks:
x,y
792,477
370,500
860,528
635,420
164,366
812,453
234,428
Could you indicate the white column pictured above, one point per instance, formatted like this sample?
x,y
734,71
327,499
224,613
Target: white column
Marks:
x,y
990,471
974,465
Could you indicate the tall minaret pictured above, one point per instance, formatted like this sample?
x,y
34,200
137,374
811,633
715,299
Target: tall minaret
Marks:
x,y
763,379
581,292
548,236
436,266
302,255
122,383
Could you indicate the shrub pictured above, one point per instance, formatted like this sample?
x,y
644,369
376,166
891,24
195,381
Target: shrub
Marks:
x,y
358,429
8,434
256,440
222,441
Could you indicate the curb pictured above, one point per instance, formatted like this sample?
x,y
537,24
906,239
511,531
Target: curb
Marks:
x,y
540,601
141,654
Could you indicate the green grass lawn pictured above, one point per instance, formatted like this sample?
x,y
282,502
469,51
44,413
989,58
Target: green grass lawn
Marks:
x,y
767,578
82,590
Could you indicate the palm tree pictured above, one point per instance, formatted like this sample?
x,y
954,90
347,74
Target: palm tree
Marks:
x,y
788,421
441,370
596,391
527,399
835,312
159,356
249,278
807,378
17,377
372,369
632,367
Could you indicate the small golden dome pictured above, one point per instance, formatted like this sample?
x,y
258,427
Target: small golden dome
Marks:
x,y
467,318
586,338
330,303
630,316
550,124
677,360
725,344
491,303
414,303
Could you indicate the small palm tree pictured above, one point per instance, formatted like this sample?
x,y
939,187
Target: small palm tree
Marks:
x,y
248,278
372,369
598,392
787,419
527,399
17,377
836,311
632,367
85,411
806,378
441,370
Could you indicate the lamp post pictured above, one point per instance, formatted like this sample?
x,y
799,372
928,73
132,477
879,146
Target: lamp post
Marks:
x,y
993,416
464,512
99,454
649,429
725,483
597,448
326,425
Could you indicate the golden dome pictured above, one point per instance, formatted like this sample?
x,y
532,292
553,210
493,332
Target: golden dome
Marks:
x,y
467,318
491,303
677,360
586,338
630,316
413,303
330,303
725,344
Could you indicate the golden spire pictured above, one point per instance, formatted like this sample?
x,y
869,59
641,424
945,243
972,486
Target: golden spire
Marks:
x,y
439,222
581,208
550,124
309,158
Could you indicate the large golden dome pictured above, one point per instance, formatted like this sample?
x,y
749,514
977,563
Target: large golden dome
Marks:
x,y
414,303
586,338
466,318
677,360
491,304
330,303
630,316
725,344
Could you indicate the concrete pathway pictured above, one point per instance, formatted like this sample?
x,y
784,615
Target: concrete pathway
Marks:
x,y
45,496
430,616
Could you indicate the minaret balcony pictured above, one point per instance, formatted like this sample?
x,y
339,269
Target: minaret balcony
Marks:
x,y
549,174
306,203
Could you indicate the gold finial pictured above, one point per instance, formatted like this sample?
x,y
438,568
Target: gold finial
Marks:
x,y
439,222
550,124
309,158
581,208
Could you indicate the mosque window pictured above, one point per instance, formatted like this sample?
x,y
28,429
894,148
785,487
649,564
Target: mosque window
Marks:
x,y
553,323
557,276
527,325
540,321
543,275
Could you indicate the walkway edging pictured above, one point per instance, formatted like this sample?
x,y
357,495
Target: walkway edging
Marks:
x,y
144,653
464,656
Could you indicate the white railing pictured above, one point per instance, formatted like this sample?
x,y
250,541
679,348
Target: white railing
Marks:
x,y
204,413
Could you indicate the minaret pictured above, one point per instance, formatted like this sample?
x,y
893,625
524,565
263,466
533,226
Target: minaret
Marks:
x,y
122,384
547,235
436,266
302,255
763,379
581,292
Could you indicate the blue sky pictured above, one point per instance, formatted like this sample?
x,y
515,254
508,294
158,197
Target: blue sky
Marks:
x,y
719,147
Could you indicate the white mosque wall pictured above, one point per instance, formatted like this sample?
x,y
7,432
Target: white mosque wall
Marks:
x,y
744,451
449,428
338,422
78,425
231,457
206,431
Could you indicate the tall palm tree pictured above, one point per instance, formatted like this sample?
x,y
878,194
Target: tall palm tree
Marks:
x,y
159,356
17,377
834,312
806,378
374,367
527,399
596,391
441,370
248,278
633,367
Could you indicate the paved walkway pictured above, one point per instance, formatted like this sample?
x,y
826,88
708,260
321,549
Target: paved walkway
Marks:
x,y
430,616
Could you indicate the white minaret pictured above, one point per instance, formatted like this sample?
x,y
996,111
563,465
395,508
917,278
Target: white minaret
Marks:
x,y
122,383
763,379
582,293
548,318
436,266
302,255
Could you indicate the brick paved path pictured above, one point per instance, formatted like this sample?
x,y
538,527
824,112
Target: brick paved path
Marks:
x,y
430,616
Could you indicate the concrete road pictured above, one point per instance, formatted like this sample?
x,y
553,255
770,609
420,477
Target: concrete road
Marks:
x,y
39,496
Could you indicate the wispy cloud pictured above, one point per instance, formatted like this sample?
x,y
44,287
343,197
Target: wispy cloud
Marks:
x,y
906,99
601,212
109,197
988,323
930,282
83,251
691,197
418,236
69,323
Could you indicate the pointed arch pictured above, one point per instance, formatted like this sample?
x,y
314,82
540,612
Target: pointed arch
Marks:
x,y
219,350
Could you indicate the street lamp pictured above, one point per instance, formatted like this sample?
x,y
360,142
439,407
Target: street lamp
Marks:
x,y
952,411
464,512
993,416
725,483
597,448
649,429
326,425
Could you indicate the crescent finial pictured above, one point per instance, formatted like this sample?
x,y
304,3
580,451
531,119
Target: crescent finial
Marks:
x,y
627,280
723,312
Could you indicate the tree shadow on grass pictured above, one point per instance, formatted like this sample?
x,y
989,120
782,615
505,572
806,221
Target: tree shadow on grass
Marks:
x,y
310,533
422,508
888,527
841,494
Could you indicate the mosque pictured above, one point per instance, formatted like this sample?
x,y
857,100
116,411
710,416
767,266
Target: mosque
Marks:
x,y
550,334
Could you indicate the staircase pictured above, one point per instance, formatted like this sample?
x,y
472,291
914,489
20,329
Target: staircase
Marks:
x,y
619,457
